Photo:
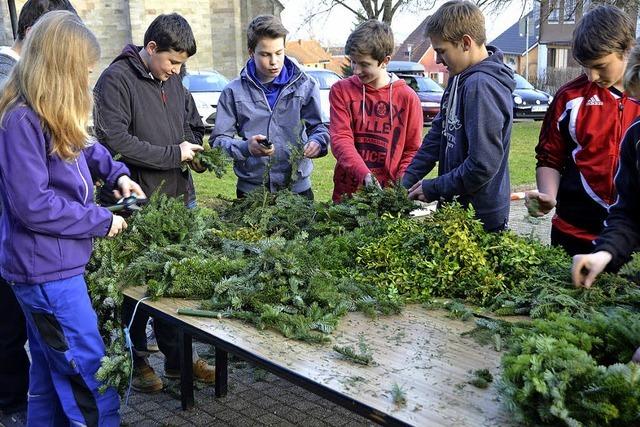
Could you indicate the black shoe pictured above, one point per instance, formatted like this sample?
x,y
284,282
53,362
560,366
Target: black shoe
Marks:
x,y
15,419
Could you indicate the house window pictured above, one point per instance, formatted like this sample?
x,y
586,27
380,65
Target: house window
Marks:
x,y
557,57
554,11
570,10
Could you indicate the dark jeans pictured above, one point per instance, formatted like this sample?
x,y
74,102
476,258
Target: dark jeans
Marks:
x,y
166,337
14,362
306,194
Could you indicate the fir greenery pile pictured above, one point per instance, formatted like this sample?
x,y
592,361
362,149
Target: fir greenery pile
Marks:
x,y
282,262
576,371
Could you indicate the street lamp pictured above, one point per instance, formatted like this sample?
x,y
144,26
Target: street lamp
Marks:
x,y
524,31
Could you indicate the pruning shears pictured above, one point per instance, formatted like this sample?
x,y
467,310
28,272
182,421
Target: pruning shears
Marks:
x,y
131,203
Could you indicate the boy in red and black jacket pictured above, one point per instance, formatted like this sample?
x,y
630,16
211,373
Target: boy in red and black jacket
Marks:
x,y
578,149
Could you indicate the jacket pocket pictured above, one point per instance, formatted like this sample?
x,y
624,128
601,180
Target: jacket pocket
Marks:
x,y
250,170
305,168
48,255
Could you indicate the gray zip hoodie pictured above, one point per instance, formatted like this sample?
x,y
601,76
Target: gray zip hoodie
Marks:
x,y
243,111
7,61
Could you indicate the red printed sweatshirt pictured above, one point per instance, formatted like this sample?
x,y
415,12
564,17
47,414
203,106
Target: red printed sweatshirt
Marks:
x,y
375,131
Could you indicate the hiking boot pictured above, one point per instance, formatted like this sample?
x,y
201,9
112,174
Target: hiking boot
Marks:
x,y
145,380
152,343
202,371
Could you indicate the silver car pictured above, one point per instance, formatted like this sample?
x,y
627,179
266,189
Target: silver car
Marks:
x,y
206,87
325,79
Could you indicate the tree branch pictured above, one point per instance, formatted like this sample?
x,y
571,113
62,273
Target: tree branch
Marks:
x,y
352,10
368,8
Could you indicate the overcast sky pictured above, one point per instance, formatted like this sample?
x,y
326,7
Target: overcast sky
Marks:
x,y
332,29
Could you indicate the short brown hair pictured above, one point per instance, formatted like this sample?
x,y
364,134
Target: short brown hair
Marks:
x,y
602,31
265,26
456,18
373,38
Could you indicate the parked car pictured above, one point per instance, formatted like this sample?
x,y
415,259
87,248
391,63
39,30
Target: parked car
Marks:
x,y
406,67
529,102
326,79
429,92
206,87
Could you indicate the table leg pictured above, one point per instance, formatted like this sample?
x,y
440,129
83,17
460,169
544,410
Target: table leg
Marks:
x,y
186,370
222,362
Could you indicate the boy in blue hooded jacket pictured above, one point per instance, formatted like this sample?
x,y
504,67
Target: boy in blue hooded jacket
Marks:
x,y
470,137
274,109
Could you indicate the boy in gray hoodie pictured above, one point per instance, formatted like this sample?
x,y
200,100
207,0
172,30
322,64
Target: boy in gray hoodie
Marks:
x,y
470,137
269,119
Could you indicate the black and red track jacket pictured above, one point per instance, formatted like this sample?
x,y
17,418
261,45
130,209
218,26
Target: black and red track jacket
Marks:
x,y
580,137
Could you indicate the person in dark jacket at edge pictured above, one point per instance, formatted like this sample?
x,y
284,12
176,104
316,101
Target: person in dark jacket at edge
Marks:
x,y
621,234
140,114
14,362
470,136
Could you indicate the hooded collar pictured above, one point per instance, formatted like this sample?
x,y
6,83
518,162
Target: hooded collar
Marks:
x,y
8,51
492,65
131,53
285,76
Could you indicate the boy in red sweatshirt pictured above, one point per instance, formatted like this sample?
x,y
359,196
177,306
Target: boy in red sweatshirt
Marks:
x,y
376,119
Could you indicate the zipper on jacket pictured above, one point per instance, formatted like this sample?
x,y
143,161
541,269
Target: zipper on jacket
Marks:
x,y
84,181
271,110
613,153
617,145
163,96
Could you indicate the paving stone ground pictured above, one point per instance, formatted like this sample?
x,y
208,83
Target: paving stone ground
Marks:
x,y
258,398
255,398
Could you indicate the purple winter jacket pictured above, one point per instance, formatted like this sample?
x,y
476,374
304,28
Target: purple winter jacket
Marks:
x,y
48,218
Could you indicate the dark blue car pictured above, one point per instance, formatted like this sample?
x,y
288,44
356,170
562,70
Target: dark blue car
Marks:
x,y
529,102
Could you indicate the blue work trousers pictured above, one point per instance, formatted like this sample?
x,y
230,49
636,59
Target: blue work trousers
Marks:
x,y
66,349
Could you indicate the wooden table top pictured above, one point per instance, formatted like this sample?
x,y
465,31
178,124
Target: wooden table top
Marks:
x,y
420,350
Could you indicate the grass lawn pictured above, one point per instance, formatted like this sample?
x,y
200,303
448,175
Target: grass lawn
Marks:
x,y
524,138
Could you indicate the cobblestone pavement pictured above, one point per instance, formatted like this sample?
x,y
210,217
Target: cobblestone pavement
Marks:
x,y
258,398
523,224
255,398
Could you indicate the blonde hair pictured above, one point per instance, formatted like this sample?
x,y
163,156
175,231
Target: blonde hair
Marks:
x,y
632,73
456,18
52,78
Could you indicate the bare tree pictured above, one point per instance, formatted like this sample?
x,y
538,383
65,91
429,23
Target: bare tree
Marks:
x,y
383,10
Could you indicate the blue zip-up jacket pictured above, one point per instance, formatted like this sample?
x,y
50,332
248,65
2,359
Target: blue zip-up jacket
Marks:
x,y
243,111
470,141
49,218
